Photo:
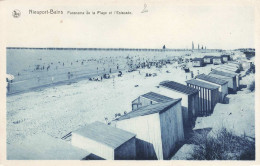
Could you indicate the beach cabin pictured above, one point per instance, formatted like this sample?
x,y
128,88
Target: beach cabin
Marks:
x,y
231,78
208,59
222,84
217,60
148,99
208,96
105,141
158,128
235,64
197,62
228,70
190,100
225,58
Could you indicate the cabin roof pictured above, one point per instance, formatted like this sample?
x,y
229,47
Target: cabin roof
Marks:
x,y
156,97
197,59
211,79
225,55
228,69
207,56
178,87
150,109
227,74
202,84
105,134
216,57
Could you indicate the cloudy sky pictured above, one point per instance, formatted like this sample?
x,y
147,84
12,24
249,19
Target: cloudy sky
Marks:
x,y
224,26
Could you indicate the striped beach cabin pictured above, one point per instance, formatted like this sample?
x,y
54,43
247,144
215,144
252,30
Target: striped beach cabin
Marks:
x,y
222,84
231,78
208,95
148,99
190,100
158,128
105,141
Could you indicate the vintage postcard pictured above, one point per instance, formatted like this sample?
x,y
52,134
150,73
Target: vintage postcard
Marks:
x,y
129,82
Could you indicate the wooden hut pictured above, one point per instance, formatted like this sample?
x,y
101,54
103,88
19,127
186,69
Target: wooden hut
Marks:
x,y
231,78
228,70
208,95
217,60
235,64
190,100
225,58
208,59
105,141
148,99
222,84
197,62
158,128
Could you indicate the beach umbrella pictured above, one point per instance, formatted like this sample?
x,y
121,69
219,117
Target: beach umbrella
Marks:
x,y
9,77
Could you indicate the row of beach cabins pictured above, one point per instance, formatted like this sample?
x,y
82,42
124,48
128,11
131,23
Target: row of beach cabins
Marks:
x,y
216,60
158,121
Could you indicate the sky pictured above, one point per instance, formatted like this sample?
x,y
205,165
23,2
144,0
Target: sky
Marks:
x,y
227,26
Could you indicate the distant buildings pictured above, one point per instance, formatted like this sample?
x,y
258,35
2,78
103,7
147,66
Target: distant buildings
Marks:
x,y
225,58
208,59
217,60
197,62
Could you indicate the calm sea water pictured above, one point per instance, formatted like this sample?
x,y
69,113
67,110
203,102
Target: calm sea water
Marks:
x,y
34,68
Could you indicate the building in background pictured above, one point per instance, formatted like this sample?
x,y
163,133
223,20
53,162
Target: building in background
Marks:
x,y
208,59
217,60
197,62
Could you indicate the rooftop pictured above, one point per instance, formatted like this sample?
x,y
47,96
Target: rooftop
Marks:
x,y
202,84
178,87
105,134
197,59
225,55
157,97
216,57
228,69
150,109
211,79
208,56
227,74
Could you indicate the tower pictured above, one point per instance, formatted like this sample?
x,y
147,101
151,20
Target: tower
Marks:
x,y
192,45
